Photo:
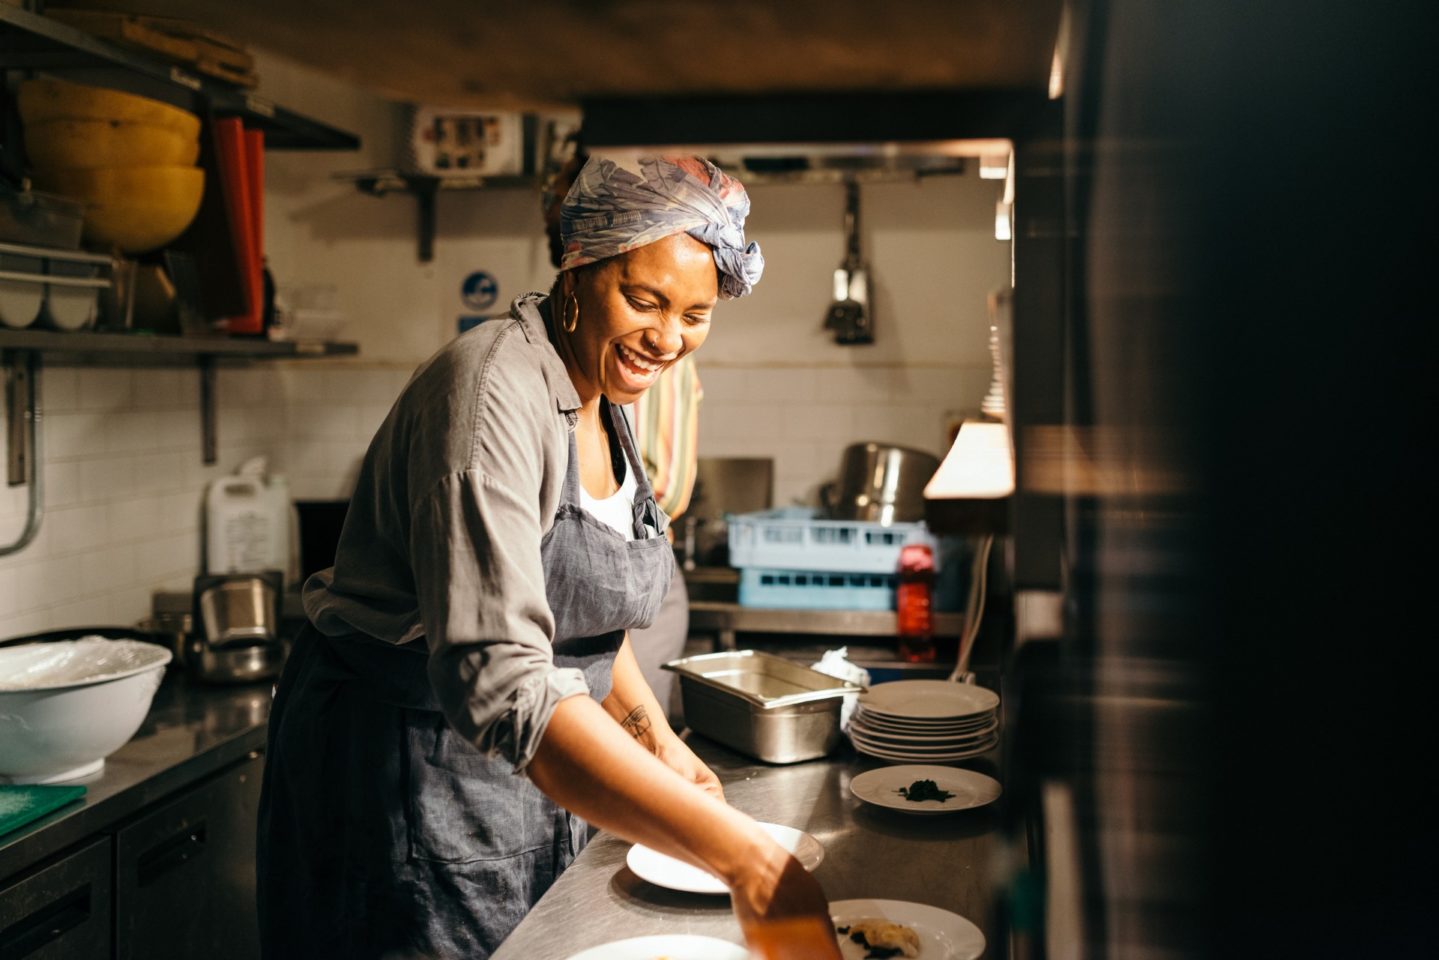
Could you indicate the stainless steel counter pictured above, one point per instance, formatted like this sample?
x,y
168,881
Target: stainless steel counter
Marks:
x,y
191,732
869,852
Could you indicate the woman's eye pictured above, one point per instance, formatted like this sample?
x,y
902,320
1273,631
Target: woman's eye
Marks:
x,y
696,320
640,304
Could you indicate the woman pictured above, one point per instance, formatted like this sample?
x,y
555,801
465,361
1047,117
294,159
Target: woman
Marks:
x,y
465,691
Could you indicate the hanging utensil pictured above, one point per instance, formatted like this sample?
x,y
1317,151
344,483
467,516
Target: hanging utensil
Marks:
x,y
849,316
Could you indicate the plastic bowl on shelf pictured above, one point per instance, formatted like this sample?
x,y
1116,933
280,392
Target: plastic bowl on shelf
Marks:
x,y
67,705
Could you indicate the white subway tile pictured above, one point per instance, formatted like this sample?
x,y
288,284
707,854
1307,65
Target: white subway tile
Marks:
x,y
357,385
69,435
817,421
130,605
58,580
167,559
104,570
59,390
135,518
77,529
22,624
84,612
162,388
180,513
788,384
62,483
135,432
105,479
106,388
723,384
326,421
177,429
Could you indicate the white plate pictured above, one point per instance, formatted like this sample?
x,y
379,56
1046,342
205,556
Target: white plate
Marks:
x,y
665,871
928,700
677,946
925,749
879,733
927,726
900,756
881,787
942,935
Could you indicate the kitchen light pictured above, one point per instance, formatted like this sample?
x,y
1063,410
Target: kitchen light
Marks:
x,y
994,166
1001,221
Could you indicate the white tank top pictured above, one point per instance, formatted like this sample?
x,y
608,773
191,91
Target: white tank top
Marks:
x,y
618,509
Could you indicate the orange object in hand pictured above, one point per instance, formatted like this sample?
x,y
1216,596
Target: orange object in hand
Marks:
x,y
792,938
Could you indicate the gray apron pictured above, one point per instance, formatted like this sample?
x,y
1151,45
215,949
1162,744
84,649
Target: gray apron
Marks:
x,y
382,832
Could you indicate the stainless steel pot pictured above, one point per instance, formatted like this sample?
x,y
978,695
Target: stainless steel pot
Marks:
x,y
236,621
882,483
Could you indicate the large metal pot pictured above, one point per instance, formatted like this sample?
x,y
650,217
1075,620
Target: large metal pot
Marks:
x,y
882,483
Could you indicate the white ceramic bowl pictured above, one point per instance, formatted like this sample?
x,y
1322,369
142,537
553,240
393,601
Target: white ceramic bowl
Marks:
x,y
67,705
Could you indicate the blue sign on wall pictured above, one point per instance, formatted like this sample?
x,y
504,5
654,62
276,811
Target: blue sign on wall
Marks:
x,y
480,291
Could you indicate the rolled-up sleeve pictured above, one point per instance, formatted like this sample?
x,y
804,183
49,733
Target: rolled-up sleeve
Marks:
x,y
480,582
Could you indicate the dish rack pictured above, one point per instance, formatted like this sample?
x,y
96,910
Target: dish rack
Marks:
x,y
790,558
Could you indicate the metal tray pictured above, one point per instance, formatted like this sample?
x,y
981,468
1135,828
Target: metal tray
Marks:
x,y
762,705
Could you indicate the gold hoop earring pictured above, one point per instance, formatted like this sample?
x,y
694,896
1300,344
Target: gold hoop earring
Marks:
x,y
571,314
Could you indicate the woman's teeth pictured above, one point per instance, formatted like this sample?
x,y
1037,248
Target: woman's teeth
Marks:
x,y
636,361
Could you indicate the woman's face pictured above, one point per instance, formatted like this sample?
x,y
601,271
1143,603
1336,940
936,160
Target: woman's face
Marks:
x,y
639,313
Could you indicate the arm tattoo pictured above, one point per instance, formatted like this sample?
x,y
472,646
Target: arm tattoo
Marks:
x,y
637,723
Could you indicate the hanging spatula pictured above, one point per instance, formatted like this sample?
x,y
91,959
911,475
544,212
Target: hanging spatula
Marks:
x,y
849,316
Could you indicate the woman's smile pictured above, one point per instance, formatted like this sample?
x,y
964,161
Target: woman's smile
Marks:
x,y
638,371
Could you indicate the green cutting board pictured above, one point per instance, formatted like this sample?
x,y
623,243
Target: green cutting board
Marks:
x,y
20,805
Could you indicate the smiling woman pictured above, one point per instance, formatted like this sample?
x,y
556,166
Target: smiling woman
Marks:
x,y
466,690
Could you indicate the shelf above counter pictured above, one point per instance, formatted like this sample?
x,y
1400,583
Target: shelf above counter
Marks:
x,y
97,348
30,41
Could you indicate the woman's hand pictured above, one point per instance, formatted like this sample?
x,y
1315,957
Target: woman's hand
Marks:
x,y
677,755
773,898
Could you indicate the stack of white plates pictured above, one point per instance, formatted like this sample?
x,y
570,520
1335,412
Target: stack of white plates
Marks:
x,y
925,721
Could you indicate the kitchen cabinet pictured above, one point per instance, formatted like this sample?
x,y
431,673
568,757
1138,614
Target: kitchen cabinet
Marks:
x,y
185,873
177,880
60,911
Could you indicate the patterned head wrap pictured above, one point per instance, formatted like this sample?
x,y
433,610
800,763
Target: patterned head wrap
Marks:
x,y
615,206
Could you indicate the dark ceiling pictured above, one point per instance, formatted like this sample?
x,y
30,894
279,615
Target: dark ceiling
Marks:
x,y
532,53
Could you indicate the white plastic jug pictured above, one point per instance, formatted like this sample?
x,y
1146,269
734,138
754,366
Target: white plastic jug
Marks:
x,y
248,524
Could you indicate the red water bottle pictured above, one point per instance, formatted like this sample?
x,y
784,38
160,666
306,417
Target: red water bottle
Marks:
x,y
914,603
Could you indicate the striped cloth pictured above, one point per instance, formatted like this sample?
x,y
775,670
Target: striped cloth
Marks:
x,y
666,418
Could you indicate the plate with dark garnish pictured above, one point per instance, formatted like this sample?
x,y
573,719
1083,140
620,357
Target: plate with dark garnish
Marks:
x,y
924,789
887,929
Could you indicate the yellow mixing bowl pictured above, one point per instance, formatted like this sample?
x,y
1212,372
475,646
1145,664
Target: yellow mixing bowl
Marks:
x,y
134,208
80,144
43,100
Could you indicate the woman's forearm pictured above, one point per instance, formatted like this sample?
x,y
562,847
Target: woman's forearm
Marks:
x,y
631,701
591,766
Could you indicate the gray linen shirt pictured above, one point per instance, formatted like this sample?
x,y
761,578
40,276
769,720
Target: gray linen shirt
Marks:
x,y
442,539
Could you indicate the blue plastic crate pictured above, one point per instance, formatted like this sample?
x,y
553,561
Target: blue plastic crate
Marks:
x,y
793,538
815,590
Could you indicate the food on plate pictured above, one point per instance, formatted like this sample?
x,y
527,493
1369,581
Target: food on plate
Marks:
x,y
882,938
924,790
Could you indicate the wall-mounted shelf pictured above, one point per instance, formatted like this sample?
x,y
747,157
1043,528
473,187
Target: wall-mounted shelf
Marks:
x,y
91,348
30,41
23,350
424,188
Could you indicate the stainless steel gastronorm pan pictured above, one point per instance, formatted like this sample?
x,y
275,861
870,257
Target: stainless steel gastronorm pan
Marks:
x,y
762,705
